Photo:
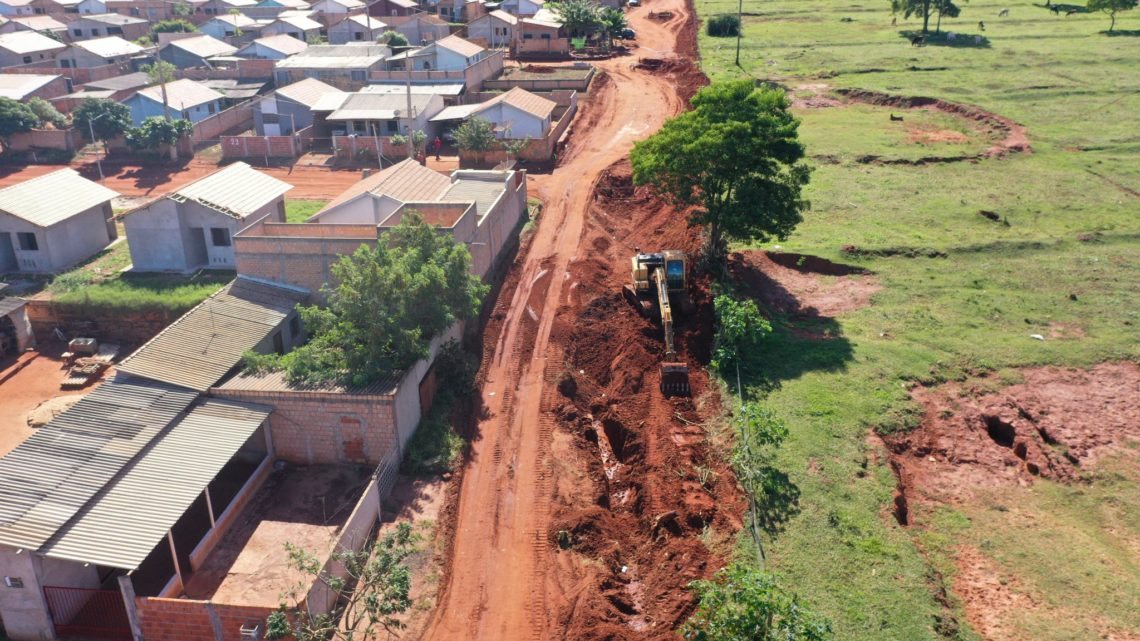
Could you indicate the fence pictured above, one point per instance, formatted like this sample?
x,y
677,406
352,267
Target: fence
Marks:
x,y
223,121
60,139
473,76
367,147
87,613
266,146
558,79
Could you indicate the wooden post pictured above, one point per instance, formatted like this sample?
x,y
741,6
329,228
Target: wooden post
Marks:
x,y
128,590
174,555
210,507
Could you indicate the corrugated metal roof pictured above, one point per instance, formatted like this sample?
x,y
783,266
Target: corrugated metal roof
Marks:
x,y
298,22
457,112
364,21
439,89
52,198
113,18
379,106
182,94
405,180
49,477
520,98
465,48
22,42
10,304
199,349
108,47
275,382
282,43
113,531
336,56
483,193
306,92
237,190
17,86
119,83
39,23
203,46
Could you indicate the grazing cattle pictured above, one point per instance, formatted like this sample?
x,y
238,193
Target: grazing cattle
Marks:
x,y
1071,12
917,41
981,25
895,118
1004,13
1055,9
950,35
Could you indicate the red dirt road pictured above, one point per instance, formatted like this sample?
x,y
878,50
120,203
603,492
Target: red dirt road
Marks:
x,y
502,581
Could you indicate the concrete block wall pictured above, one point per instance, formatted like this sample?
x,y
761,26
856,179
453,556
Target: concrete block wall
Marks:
x,y
192,620
271,251
260,146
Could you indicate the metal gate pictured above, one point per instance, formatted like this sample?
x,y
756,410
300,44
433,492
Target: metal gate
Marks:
x,y
88,614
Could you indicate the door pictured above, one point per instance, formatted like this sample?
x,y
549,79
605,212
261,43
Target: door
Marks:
x,y
196,254
7,253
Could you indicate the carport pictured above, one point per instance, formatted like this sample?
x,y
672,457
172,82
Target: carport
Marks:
x,y
15,329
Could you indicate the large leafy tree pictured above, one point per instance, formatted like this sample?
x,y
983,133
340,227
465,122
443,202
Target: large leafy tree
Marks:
x,y
385,306
107,117
1111,7
47,113
613,22
579,17
921,8
744,604
156,132
174,25
736,158
15,118
475,135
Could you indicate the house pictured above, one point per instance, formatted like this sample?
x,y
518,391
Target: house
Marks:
x,y
9,8
229,26
290,108
193,227
522,8
187,100
358,28
337,7
541,36
224,7
50,223
194,51
117,88
494,30
299,27
99,52
270,9
515,115
373,114
345,66
277,47
446,54
28,47
22,86
107,24
47,25
420,28
390,8
93,7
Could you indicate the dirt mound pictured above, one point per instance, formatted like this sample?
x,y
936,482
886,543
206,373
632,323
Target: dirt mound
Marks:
x,y
1052,425
801,285
1015,138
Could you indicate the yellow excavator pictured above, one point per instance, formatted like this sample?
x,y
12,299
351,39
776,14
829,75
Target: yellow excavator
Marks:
x,y
656,278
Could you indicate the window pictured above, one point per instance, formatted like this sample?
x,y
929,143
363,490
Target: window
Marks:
x,y
77,32
546,36
278,343
28,242
358,36
528,36
27,60
358,76
393,127
64,63
220,236
186,114
94,32
294,327
210,107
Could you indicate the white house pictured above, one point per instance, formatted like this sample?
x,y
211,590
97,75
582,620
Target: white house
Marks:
x,y
495,30
28,47
337,7
229,26
358,28
193,227
373,114
9,8
446,54
50,223
107,24
186,99
99,51
92,6
278,47
515,115
299,27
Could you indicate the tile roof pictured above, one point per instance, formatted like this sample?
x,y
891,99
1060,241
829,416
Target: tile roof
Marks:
x,y
119,83
460,46
236,190
52,198
112,531
300,22
282,43
49,477
203,46
524,100
21,42
379,106
17,86
199,349
307,91
109,47
406,180
182,94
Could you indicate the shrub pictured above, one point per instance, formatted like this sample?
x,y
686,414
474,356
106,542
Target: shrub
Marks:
x,y
724,25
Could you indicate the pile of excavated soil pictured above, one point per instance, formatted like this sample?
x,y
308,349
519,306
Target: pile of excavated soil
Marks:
x,y
651,485
803,286
1057,422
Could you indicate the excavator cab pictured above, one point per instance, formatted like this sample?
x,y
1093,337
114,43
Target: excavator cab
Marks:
x,y
657,278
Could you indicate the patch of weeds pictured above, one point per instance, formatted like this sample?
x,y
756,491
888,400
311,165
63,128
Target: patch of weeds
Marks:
x,y
435,447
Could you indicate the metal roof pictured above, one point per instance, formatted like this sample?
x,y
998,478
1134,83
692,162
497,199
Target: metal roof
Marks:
x,y
10,304
203,46
306,92
300,22
17,86
281,43
276,382
22,42
49,477
113,531
53,198
483,193
39,23
236,190
465,48
112,18
524,100
335,57
108,47
457,112
439,89
405,181
199,349
379,106
365,20
182,94
119,83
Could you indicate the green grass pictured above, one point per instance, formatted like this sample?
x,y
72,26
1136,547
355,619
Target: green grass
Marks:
x,y
298,211
967,311
146,293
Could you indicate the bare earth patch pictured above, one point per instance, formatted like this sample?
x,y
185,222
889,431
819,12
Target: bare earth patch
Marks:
x,y
930,137
991,598
803,285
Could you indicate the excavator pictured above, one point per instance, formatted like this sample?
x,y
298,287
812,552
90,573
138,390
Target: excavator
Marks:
x,y
656,278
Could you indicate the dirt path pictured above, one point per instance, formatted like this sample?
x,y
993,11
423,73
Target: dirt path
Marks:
x,y
498,587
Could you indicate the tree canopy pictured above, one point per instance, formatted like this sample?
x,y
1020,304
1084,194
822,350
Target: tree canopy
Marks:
x,y
745,604
47,113
15,117
156,131
736,157
579,17
394,39
921,8
387,303
475,135
1111,7
108,118
173,25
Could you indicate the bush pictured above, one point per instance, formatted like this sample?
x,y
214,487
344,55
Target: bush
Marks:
x,y
740,328
435,446
724,25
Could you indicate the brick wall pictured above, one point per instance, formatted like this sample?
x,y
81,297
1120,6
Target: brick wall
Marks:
x,y
278,252
260,146
326,427
191,620
107,325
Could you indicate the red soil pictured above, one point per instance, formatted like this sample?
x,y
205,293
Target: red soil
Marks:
x,y
803,285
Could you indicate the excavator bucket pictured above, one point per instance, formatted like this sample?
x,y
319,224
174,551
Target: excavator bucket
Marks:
x,y
675,379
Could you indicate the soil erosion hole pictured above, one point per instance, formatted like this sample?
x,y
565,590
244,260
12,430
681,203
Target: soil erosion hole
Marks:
x,y
617,435
1000,431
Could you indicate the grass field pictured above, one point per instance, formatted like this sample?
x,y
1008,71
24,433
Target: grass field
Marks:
x,y
961,295
298,211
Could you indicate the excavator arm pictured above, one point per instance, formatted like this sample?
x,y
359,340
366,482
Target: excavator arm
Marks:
x,y
674,374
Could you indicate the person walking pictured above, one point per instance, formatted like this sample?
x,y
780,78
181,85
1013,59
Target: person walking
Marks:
x,y
437,144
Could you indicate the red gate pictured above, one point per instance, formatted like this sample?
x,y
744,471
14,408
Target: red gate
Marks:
x,y
89,614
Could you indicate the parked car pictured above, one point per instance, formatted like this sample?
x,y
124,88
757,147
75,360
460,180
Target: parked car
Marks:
x,y
627,33
633,3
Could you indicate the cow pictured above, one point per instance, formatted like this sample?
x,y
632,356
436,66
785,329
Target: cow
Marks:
x,y
1004,13
917,41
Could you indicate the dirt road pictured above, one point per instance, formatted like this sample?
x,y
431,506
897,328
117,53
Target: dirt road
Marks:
x,y
501,583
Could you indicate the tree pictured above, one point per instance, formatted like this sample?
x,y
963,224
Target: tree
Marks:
x,y
1111,7
376,590
740,328
914,8
181,9
161,72
108,118
579,17
46,113
746,604
772,497
173,25
387,303
237,30
15,118
394,39
723,26
156,132
736,157
475,135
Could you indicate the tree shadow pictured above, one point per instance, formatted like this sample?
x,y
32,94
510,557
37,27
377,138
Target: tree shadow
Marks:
x,y
1122,33
952,39
781,501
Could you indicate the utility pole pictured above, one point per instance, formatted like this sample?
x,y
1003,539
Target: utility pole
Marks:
x,y
739,28
408,87
91,128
